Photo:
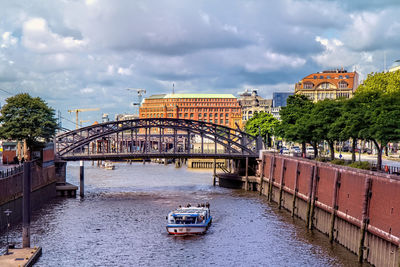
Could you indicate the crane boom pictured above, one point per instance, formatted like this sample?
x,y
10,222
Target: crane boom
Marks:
x,y
76,111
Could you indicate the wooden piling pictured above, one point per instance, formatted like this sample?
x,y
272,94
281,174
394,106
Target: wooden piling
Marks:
x,y
81,179
365,218
334,206
26,200
295,188
271,180
215,172
282,184
309,197
262,174
313,198
247,174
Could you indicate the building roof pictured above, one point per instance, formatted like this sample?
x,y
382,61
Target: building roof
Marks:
x,y
191,96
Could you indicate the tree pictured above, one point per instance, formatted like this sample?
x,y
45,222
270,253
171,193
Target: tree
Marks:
x,y
295,121
27,118
323,117
263,123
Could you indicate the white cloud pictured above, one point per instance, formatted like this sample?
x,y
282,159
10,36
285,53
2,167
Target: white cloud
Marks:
x,y
38,37
7,40
87,90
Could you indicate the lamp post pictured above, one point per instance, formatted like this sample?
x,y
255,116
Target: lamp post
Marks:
x,y
8,212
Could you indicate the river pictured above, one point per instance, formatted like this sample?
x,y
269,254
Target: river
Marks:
x,y
121,222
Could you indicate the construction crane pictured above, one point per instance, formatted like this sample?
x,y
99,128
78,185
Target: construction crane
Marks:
x,y
140,92
76,111
82,121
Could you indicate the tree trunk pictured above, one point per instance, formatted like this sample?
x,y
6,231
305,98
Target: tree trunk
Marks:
x,y
379,157
353,150
386,151
315,146
332,149
303,149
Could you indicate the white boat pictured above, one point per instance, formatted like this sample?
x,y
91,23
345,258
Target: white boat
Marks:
x,y
189,220
108,165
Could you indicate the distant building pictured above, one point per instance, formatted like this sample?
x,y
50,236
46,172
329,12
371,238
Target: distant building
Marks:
x,y
275,112
279,98
396,67
251,103
123,117
331,84
222,109
105,118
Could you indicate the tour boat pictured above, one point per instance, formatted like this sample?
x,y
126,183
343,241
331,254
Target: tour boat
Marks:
x,y
108,165
189,220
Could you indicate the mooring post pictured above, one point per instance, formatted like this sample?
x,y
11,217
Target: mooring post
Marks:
x,y
334,206
247,174
295,189
81,179
309,196
313,198
262,174
271,180
282,184
215,172
365,218
26,213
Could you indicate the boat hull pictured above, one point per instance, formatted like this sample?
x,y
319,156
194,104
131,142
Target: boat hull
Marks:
x,y
186,230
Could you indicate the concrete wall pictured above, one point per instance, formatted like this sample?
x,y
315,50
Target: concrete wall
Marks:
x,y
356,208
43,189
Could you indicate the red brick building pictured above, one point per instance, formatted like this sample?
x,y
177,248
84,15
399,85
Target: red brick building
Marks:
x,y
221,109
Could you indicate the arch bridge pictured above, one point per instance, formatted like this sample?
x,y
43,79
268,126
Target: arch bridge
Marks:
x,y
155,138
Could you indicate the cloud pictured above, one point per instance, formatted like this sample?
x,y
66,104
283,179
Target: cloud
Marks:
x,y
39,38
7,40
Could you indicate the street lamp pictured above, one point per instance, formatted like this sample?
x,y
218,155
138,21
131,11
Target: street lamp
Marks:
x,y
8,212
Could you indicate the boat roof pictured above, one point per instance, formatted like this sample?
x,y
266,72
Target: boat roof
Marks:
x,y
191,210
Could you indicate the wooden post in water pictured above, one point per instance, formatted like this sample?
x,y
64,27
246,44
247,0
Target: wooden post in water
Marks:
x,y
271,180
334,206
247,174
313,197
282,184
215,171
262,174
26,199
309,197
296,179
365,218
81,179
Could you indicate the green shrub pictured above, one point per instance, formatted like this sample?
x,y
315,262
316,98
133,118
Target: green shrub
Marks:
x,y
365,165
338,162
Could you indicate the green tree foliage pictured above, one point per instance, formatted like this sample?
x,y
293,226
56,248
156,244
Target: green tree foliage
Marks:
x,y
261,122
296,123
323,118
27,118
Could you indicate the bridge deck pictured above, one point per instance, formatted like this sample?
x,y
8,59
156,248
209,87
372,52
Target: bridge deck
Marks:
x,y
122,156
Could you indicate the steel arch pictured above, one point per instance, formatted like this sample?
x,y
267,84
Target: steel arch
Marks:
x,y
234,141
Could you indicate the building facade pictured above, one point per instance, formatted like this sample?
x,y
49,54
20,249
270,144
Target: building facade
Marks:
x,y
279,98
331,84
222,109
251,103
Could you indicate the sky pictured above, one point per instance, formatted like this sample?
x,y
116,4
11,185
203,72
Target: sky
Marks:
x,y
86,53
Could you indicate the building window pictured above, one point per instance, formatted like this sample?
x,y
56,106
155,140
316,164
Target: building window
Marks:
x,y
216,115
221,121
315,76
180,115
226,121
321,77
199,115
226,115
308,85
215,121
210,115
328,77
347,76
340,77
191,115
186,115
343,84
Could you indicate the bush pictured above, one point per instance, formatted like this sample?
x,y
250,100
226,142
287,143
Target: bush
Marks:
x,y
365,165
338,162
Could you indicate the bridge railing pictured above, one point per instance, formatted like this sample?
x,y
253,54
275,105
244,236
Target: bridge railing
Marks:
x,y
11,171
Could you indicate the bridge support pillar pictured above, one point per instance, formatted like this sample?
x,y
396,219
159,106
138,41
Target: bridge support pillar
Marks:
x,y
81,179
215,172
26,212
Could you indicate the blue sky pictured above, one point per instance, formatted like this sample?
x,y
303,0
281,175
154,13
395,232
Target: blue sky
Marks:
x,y
84,54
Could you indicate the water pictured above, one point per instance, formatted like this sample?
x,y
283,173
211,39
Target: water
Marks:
x,y
121,222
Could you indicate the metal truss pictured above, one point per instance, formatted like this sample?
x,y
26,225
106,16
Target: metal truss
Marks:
x,y
154,137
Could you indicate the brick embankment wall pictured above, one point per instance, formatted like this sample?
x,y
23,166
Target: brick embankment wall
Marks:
x,y
43,189
355,208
